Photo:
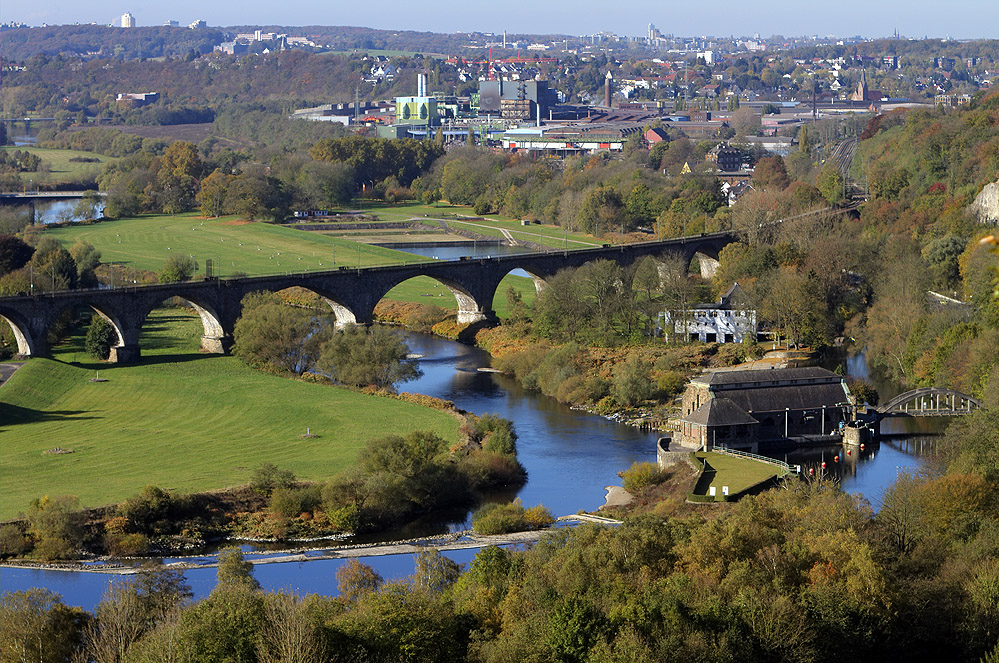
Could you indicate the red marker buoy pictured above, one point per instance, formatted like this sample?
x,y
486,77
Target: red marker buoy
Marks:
x,y
823,465
861,447
811,471
849,452
835,459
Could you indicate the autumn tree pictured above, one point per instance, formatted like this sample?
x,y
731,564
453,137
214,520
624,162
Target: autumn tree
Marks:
x,y
770,173
213,194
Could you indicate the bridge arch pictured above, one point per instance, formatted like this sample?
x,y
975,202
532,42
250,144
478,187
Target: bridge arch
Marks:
x,y
470,308
931,400
215,338
27,344
342,313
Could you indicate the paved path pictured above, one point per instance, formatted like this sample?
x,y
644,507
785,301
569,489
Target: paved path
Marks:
x,y
7,369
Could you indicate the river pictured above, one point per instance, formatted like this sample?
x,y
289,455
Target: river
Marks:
x,y
570,457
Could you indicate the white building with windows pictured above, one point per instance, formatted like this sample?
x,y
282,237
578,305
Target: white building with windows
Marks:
x,y
127,20
731,320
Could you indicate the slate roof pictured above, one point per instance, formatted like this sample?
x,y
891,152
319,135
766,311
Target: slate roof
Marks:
x,y
763,376
774,390
719,412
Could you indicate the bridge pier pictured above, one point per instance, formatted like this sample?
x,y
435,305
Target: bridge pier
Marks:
x,y
125,354
218,345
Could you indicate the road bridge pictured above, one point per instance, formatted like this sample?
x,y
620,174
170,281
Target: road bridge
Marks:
x,y
351,293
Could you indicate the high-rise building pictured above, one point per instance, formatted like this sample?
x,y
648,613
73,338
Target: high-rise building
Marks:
x,y
127,20
198,24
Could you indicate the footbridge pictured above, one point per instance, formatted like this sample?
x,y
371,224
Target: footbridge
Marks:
x,y
930,402
351,293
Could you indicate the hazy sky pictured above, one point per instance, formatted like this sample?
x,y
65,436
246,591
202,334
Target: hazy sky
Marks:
x,y
914,18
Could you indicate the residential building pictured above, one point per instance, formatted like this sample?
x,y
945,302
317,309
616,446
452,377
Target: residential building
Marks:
x,y
127,20
730,320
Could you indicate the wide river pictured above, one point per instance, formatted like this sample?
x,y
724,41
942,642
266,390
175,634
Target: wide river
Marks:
x,y
570,457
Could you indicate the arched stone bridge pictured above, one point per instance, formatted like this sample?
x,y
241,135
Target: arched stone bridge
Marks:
x,y
351,293
930,402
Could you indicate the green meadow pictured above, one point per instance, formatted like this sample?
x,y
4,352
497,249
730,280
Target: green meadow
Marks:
x,y
60,168
181,420
257,249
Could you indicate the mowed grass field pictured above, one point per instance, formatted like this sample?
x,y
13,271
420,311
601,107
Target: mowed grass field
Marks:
x,y
256,249
180,420
489,225
60,168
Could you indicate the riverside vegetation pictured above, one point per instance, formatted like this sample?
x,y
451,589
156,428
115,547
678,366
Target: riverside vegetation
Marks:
x,y
801,573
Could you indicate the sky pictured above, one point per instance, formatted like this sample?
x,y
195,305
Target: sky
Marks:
x,y
958,19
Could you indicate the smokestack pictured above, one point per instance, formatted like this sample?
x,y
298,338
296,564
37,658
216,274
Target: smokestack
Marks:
x,y
607,90
421,85
504,40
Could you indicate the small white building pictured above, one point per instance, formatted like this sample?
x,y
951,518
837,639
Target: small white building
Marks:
x,y
127,20
731,320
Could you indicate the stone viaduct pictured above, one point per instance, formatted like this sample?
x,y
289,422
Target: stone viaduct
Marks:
x,y
351,293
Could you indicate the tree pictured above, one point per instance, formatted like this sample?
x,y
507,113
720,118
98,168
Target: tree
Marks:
x,y
234,571
355,579
87,258
86,207
56,525
288,633
53,266
770,173
830,183
177,268
226,626
272,335
101,337
15,253
35,625
327,184
434,573
362,356
213,194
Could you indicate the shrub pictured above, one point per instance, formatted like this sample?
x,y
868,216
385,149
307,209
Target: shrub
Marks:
x,y
101,337
640,476
291,502
267,477
538,517
126,545
13,543
177,268
510,517
499,518
149,512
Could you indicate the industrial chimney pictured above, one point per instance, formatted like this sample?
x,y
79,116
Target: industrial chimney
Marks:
x,y
607,89
421,85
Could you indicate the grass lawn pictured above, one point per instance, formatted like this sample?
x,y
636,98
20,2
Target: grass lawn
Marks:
x,y
61,169
257,248
180,420
732,471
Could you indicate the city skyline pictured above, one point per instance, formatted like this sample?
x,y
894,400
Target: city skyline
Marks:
x,y
964,19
